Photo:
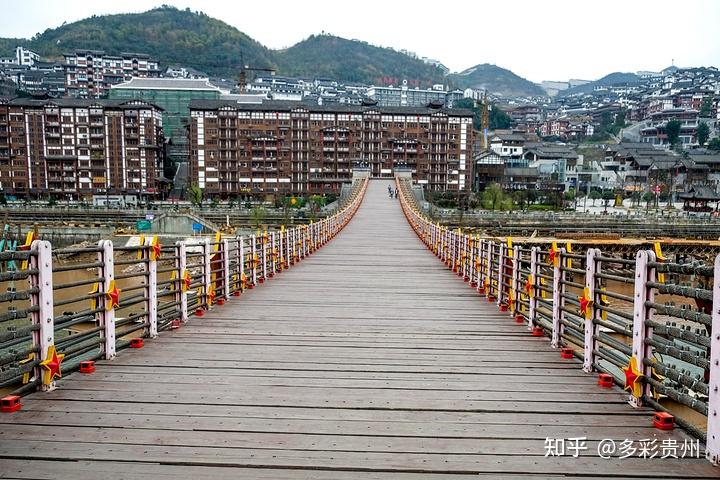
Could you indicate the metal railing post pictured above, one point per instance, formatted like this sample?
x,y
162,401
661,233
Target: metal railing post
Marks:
x,y
254,257
514,295
181,291
640,350
207,273
225,245
533,283
43,316
151,297
589,343
712,444
558,300
107,315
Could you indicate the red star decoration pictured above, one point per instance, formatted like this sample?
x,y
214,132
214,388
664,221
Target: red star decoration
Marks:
x,y
585,303
113,295
552,255
156,249
529,285
632,378
187,279
51,365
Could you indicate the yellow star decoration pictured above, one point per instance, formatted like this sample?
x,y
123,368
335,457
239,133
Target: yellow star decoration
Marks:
x,y
26,375
568,249
141,244
632,378
51,365
660,258
93,298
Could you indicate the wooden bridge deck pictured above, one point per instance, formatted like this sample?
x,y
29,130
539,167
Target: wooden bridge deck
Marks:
x,y
368,360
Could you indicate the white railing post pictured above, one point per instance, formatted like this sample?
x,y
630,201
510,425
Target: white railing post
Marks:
x,y
227,276
515,281
264,246
640,350
501,266
712,444
273,255
207,272
181,290
534,284
241,253
151,298
107,315
254,257
43,316
558,300
589,343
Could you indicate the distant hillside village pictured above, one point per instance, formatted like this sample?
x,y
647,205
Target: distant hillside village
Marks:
x,y
123,123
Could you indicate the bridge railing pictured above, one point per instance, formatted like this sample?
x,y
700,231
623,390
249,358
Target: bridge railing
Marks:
x,y
644,323
65,309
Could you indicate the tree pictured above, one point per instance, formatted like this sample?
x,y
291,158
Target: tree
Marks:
x,y
714,144
648,197
607,195
257,215
594,195
706,107
493,196
195,195
703,133
672,129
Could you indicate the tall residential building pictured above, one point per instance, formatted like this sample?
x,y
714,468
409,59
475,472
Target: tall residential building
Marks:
x,y
173,95
404,96
90,73
292,147
74,148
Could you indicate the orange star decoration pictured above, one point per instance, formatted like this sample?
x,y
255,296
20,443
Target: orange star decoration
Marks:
x,y
586,304
113,295
51,365
529,285
187,280
554,255
243,281
633,377
155,249
511,301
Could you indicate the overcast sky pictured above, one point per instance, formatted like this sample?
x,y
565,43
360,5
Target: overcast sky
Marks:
x,y
539,40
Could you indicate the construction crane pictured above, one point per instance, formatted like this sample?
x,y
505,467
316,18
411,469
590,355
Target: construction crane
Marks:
x,y
247,68
485,121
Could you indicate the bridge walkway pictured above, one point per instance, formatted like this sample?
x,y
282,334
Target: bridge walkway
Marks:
x,y
368,360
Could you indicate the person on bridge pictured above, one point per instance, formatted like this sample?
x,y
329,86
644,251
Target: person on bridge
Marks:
x,y
390,191
396,192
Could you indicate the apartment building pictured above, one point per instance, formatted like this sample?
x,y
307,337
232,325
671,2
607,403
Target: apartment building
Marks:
x,y
288,147
404,96
90,73
74,148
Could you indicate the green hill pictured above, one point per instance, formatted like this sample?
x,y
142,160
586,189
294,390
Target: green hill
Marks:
x,y
496,80
196,40
167,34
354,61
614,78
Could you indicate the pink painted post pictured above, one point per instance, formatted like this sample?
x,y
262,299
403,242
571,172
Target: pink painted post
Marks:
x,y
43,316
712,445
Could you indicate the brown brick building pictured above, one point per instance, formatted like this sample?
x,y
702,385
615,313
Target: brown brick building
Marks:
x,y
289,147
73,148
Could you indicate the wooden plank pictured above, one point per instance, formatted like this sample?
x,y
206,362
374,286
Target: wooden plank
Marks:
x,y
367,360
